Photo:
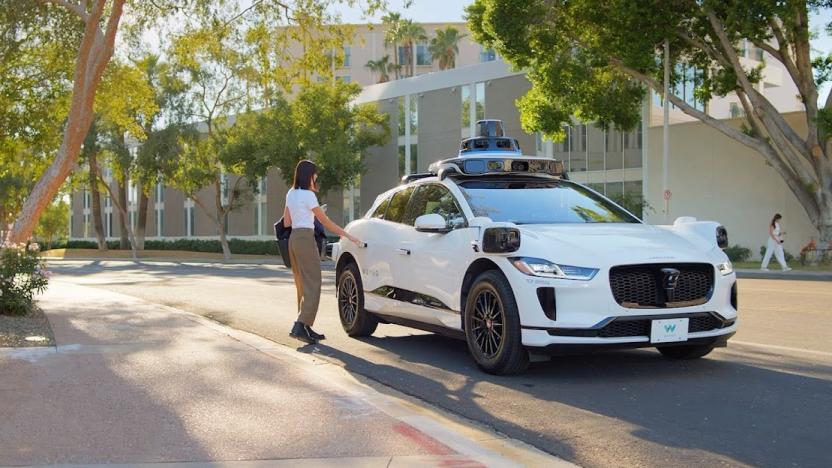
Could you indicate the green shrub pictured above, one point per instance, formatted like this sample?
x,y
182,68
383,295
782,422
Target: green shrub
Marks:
x,y
22,274
738,253
789,257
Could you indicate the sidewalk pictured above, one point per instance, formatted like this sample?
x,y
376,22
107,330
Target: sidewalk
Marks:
x,y
131,382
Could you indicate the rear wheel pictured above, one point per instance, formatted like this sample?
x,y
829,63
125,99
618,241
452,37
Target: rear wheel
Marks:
x,y
685,351
354,319
492,326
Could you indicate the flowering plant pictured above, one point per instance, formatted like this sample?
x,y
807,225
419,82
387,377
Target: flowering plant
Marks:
x,y
22,274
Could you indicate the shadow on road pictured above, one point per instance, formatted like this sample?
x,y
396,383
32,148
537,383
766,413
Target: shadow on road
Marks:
x,y
740,413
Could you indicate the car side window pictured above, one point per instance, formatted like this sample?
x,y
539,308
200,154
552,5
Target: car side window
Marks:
x,y
433,199
398,204
381,211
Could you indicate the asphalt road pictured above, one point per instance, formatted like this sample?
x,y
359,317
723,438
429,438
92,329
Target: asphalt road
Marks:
x,y
766,400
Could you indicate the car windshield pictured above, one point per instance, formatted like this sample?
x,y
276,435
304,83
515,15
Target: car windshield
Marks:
x,y
524,201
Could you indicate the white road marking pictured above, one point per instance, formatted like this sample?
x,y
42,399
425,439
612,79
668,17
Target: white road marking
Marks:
x,y
780,348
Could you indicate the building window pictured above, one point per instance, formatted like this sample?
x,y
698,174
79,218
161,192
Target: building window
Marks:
x,y
736,110
465,94
403,59
160,209
344,78
487,55
190,219
408,131
423,56
480,101
347,56
260,207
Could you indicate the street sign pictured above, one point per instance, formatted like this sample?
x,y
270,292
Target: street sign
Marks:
x,y
667,194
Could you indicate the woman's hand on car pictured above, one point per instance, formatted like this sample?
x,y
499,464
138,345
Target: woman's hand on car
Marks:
x,y
354,239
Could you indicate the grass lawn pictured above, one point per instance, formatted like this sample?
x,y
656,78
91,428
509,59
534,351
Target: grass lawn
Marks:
x,y
774,266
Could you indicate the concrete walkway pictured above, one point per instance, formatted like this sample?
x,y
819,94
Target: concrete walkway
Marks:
x,y
131,382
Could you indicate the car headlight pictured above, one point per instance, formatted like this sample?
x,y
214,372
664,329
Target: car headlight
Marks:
x,y
725,268
545,268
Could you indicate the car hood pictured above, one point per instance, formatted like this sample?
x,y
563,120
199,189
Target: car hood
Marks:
x,y
597,245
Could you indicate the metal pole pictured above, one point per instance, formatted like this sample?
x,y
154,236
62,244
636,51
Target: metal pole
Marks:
x,y
666,131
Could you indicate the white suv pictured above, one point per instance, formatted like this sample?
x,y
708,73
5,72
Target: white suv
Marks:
x,y
502,250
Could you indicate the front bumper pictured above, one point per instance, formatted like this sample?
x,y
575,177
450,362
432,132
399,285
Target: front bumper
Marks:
x,y
586,314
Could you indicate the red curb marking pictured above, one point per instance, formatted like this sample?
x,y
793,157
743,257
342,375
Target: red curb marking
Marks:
x,y
431,445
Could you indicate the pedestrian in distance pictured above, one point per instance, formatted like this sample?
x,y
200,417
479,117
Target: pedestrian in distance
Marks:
x,y
300,213
774,245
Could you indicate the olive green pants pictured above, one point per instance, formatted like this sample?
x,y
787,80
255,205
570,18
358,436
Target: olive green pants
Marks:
x,y
306,268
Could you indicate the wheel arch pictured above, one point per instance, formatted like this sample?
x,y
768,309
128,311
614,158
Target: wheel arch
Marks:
x,y
479,266
343,260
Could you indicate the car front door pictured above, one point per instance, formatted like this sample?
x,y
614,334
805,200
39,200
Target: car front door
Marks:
x,y
434,263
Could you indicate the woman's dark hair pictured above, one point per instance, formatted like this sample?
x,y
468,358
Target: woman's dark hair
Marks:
x,y
304,172
776,218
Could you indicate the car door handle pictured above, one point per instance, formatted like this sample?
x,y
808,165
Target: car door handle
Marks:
x,y
404,251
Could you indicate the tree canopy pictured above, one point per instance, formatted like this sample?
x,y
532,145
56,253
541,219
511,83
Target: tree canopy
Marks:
x,y
595,60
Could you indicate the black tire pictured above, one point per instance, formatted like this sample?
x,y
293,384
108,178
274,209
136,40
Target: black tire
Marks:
x,y
492,326
685,351
355,320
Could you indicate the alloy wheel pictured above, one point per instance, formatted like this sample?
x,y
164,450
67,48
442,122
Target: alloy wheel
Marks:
x,y
489,323
348,298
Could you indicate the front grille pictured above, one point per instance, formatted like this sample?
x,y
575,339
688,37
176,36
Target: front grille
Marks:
x,y
643,286
621,328
630,327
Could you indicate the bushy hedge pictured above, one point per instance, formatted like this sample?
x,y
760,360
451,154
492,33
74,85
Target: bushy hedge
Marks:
x,y
237,246
22,275
738,253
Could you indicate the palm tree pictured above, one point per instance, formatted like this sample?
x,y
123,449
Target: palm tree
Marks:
x,y
445,47
410,34
392,36
383,67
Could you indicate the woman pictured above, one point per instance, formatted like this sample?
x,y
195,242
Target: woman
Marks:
x,y
775,244
300,213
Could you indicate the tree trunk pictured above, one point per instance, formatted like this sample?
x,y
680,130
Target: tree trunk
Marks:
x,y
94,53
122,214
142,221
96,203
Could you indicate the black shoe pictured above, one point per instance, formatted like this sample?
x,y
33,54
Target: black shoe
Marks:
x,y
313,333
301,332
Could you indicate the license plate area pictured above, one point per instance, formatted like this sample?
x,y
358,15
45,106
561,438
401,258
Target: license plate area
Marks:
x,y
669,330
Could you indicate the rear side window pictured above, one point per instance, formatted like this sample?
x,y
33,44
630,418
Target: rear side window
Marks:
x,y
382,209
398,204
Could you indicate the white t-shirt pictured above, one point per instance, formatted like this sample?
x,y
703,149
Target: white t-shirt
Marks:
x,y
300,203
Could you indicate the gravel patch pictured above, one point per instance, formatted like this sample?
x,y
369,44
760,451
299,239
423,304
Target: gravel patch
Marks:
x,y
15,329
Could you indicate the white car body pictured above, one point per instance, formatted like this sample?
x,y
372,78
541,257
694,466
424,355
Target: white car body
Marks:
x,y
420,278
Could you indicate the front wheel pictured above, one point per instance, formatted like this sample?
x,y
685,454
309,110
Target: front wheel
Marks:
x,y
492,326
354,319
685,351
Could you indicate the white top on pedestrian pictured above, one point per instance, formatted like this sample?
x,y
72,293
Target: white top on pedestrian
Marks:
x,y
300,203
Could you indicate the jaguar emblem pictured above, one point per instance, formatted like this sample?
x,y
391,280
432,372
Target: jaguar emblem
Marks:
x,y
670,280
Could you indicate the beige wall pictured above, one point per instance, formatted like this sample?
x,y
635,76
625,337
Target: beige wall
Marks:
x,y
712,177
440,119
382,162
500,96
368,44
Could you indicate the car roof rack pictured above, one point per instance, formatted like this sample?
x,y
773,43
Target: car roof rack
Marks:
x,y
419,175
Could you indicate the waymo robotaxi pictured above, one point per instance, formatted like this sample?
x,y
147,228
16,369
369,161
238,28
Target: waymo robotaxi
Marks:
x,y
501,249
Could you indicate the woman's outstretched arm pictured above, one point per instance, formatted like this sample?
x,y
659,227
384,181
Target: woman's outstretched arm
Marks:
x,y
329,224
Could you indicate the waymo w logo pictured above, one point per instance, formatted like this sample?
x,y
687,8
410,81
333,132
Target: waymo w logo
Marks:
x,y
669,328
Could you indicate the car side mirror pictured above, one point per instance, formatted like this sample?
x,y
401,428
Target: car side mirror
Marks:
x,y
431,223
